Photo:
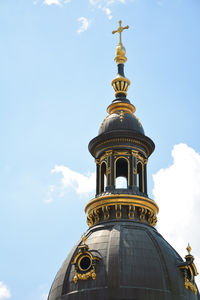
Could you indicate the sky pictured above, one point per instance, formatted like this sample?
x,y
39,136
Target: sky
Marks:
x,y
57,64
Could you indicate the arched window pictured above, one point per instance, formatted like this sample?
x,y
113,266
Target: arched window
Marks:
x,y
121,180
103,178
139,177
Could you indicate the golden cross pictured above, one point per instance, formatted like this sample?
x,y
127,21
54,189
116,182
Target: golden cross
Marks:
x,y
120,29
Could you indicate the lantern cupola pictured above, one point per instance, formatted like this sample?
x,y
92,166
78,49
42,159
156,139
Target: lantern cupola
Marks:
x,y
121,151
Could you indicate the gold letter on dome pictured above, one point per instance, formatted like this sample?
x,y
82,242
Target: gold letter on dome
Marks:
x,y
84,262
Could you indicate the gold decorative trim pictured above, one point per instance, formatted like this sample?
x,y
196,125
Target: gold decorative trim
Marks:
x,y
122,199
131,213
121,115
189,271
106,215
85,276
127,107
114,140
101,206
117,79
118,211
89,270
120,85
116,152
125,146
191,286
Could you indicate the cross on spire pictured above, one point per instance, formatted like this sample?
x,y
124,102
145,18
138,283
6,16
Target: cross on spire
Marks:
x,y
120,30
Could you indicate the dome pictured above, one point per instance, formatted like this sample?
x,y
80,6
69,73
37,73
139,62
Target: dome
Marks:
x,y
121,120
122,256
135,263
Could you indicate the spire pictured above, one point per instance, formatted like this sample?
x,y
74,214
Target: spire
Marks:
x,y
121,151
120,83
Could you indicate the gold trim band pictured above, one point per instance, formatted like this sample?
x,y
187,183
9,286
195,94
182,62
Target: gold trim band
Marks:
x,y
122,199
128,107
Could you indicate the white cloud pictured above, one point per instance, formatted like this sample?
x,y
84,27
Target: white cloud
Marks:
x,y
81,184
177,192
50,192
4,291
104,5
106,2
50,2
44,296
108,12
84,24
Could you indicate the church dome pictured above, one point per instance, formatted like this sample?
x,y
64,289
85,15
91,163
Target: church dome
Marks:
x,y
135,262
121,120
122,256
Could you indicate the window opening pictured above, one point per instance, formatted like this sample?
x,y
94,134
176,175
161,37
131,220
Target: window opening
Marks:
x,y
139,176
103,178
121,180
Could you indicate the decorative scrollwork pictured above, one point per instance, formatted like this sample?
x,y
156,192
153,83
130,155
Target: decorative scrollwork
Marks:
x,y
106,214
189,271
143,212
131,212
84,262
85,276
96,215
118,211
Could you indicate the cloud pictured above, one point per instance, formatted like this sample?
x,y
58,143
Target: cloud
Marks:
x,y
108,12
105,2
81,184
104,5
4,291
177,192
50,2
84,24
44,296
50,192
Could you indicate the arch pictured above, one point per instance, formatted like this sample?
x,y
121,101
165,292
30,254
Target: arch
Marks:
x,y
103,177
139,177
121,172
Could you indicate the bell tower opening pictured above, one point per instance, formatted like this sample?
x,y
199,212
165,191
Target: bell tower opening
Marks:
x,y
121,171
103,177
139,177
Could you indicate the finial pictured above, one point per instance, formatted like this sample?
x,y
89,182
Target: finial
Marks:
x,y
120,50
120,30
188,248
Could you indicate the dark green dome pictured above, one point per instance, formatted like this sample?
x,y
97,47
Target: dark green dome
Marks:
x,y
122,256
121,121
136,263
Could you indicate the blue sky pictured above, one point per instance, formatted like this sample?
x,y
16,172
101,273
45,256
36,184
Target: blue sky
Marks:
x,y
56,69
